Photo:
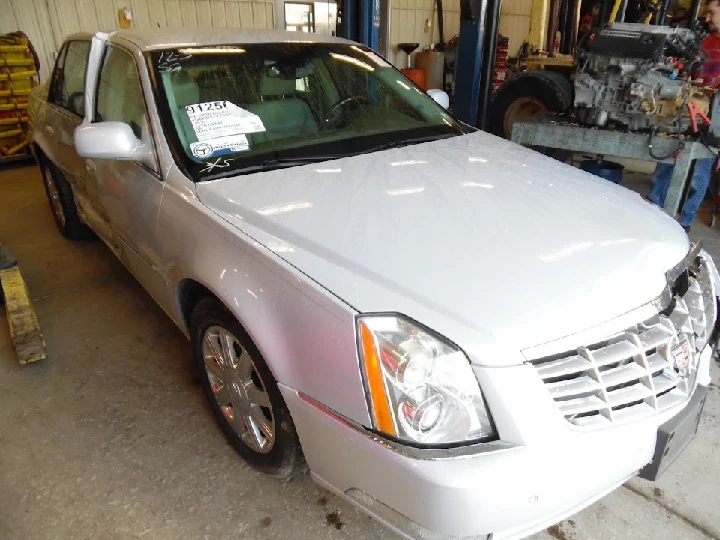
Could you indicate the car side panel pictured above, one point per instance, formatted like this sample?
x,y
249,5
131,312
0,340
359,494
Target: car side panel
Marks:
x,y
37,113
61,124
53,133
132,197
305,334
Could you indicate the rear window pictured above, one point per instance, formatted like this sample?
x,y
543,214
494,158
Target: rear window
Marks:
x,y
68,84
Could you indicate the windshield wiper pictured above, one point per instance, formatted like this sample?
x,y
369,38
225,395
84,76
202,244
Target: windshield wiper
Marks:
x,y
404,142
273,164
283,163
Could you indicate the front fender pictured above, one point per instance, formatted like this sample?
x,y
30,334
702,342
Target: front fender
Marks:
x,y
305,334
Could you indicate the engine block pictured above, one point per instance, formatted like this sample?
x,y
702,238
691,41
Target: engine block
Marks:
x,y
639,76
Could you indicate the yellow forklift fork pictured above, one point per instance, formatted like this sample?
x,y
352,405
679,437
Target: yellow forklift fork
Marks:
x,y
24,328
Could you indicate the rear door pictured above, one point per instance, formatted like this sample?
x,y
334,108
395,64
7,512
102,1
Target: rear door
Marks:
x,y
65,112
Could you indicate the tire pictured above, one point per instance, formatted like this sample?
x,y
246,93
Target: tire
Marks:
x,y
527,93
562,86
62,202
247,388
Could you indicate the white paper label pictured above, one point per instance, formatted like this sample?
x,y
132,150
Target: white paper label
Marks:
x,y
219,145
215,119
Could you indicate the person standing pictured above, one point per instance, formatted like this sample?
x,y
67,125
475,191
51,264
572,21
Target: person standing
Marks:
x,y
710,75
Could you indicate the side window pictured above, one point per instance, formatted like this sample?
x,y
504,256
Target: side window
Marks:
x,y
119,94
55,94
69,77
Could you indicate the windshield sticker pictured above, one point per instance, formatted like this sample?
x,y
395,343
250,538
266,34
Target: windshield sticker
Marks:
x,y
170,61
219,163
219,146
215,119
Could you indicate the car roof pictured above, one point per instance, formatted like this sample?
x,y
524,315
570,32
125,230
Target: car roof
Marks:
x,y
171,38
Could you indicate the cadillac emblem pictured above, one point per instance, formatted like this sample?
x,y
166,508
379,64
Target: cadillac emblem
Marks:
x,y
680,354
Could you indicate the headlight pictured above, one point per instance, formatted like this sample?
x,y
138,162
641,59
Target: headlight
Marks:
x,y
422,388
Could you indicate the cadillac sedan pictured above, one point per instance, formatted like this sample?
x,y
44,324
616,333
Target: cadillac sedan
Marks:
x,y
458,335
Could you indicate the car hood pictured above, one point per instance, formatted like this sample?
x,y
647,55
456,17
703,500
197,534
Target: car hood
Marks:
x,y
473,236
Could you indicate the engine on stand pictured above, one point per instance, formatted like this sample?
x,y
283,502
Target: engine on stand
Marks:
x,y
641,77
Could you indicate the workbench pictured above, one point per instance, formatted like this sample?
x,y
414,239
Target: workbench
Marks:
x,y
574,138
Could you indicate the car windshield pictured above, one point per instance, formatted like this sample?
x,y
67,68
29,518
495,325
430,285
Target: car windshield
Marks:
x,y
243,108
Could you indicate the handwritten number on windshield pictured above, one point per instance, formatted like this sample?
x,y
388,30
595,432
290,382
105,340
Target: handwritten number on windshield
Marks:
x,y
204,107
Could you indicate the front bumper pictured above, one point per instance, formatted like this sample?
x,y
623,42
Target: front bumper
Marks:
x,y
544,470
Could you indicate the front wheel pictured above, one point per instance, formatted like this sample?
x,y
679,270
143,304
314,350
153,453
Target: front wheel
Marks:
x,y
243,393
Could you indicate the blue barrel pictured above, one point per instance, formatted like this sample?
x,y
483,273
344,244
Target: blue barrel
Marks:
x,y
604,169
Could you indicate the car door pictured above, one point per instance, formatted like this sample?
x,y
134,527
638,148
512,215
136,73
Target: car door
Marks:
x,y
66,109
130,192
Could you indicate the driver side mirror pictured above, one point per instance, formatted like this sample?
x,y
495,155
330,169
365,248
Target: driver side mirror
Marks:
x,y
440,97
111,140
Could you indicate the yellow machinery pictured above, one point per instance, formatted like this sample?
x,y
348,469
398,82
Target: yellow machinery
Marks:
x,y
18,75
25,332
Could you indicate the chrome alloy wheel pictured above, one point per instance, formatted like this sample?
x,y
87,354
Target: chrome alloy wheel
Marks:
x,y
54,196
238,389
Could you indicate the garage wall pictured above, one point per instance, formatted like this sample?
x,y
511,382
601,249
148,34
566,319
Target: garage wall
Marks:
x,y
515,23
408,21
32,17
407,24
46,22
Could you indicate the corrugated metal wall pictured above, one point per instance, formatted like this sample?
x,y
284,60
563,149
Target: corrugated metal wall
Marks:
x,y
47,22
515,23
408,23
32,17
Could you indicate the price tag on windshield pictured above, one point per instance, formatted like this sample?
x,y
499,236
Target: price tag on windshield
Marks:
x,y
214,119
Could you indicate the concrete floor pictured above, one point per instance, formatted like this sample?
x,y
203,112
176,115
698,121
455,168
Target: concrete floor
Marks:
x,y
110,438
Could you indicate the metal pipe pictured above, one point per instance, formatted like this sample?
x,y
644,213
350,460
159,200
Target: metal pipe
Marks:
x,y
694,11
563,26
441,36
623,9
552,27
575,25
370,23
604,11
661,14
492,25
348,20
469,56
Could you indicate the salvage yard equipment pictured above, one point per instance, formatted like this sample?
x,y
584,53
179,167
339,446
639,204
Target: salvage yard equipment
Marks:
x,y
25,332
18,75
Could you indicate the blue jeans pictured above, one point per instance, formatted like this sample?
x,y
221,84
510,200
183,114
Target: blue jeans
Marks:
x,y
698,186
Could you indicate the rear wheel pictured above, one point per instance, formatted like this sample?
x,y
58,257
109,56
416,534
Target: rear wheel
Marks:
x,y
243,393
62,203
525,95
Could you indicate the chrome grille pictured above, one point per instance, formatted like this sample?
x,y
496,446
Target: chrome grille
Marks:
x,y
640,371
